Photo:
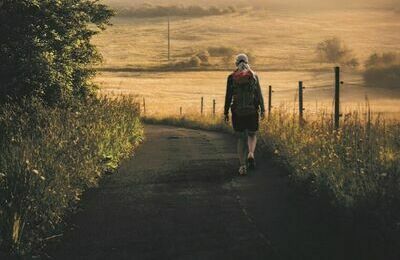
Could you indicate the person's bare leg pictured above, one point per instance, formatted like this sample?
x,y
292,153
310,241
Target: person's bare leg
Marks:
x,y
241,148
252,143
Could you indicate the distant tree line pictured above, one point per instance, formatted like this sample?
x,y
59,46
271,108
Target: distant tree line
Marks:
x,y
150,11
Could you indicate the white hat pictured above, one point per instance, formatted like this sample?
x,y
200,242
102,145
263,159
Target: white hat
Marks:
x,y
242,58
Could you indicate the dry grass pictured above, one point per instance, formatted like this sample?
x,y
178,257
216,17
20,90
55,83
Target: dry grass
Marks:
x,y
283,43
279,39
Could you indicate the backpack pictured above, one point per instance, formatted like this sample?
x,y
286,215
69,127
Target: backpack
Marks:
x,y
244,93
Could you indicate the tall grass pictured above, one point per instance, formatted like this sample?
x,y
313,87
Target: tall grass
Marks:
x,y
50,155
355,168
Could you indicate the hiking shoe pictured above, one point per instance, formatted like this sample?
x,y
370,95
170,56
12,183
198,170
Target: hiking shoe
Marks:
x,y
251,162
243,170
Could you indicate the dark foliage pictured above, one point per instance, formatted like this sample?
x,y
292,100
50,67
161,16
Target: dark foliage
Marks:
x,y
45,48
383,70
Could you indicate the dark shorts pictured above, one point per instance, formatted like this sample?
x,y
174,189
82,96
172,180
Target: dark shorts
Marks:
x,y
248,122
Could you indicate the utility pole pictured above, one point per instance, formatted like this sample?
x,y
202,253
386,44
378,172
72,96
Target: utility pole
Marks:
x,y
169,39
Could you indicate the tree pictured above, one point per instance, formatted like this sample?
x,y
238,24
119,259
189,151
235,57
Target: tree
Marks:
x,y
45,48
333,50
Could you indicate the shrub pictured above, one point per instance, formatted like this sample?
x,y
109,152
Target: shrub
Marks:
x,y
227,54
196,61
221,51
50,155
204,56
193,62
383,70
335,51
382,60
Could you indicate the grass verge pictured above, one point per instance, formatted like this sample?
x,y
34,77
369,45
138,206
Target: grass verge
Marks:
x,y
50,155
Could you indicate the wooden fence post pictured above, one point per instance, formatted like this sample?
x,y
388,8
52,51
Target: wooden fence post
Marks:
x,y
144,106
269,100
301,105
214,105
180,111
202,106
337,97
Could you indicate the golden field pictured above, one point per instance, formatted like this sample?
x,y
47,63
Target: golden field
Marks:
x,y
283,43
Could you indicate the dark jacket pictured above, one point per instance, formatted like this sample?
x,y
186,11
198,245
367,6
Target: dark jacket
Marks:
x,y
229,102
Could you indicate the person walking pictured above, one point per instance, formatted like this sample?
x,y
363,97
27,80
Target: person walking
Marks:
x,y
245,100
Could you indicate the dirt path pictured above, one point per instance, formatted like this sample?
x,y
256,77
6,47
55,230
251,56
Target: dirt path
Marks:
x,y
179,198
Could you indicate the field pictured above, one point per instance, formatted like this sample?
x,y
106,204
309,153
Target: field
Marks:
x,y
282,42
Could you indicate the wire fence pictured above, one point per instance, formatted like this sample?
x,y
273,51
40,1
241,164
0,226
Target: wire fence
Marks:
x,y
301,104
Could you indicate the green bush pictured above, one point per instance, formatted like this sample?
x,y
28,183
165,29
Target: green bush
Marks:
x,y
46,50
50,155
